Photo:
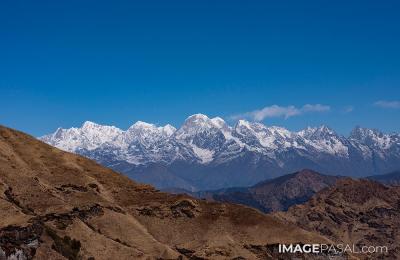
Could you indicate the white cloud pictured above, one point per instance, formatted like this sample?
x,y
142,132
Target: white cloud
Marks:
x,y
387,104
348,109
315,108
279,111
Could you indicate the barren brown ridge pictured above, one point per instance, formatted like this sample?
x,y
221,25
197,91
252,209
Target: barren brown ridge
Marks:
x,y
360,212
57,205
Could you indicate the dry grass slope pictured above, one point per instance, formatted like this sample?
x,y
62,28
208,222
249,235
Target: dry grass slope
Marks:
x,y
57,205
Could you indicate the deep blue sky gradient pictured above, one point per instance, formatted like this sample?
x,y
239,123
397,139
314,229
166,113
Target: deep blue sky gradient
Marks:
x,y
116,62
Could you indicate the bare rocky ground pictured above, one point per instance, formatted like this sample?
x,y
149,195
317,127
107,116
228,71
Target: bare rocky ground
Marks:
x,y
360,212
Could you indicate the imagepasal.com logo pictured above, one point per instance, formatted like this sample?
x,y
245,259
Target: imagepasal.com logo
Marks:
x,y
331,249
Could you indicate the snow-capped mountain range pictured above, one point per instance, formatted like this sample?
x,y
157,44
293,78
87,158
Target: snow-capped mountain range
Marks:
x,y
207,153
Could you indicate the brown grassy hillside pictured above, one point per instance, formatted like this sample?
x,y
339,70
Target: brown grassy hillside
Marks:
x,y
57,205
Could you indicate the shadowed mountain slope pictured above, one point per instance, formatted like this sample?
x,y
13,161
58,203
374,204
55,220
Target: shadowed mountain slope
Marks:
x,y
360,212
272,195
392,178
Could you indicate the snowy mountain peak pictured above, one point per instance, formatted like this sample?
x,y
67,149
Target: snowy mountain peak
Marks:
x,y
322,131
243,123
326,129
361,133
199,123
204,121
243,126
374,138
219,122
146,134
89,136
57,133
91,128
141,124
277,130
89,124
211,140
168,129
197,117
141,127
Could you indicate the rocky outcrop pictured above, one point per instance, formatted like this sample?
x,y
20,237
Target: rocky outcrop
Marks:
x,y
359,212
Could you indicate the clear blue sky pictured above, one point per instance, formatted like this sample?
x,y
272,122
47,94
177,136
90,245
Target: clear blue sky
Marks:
x,y
116,62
